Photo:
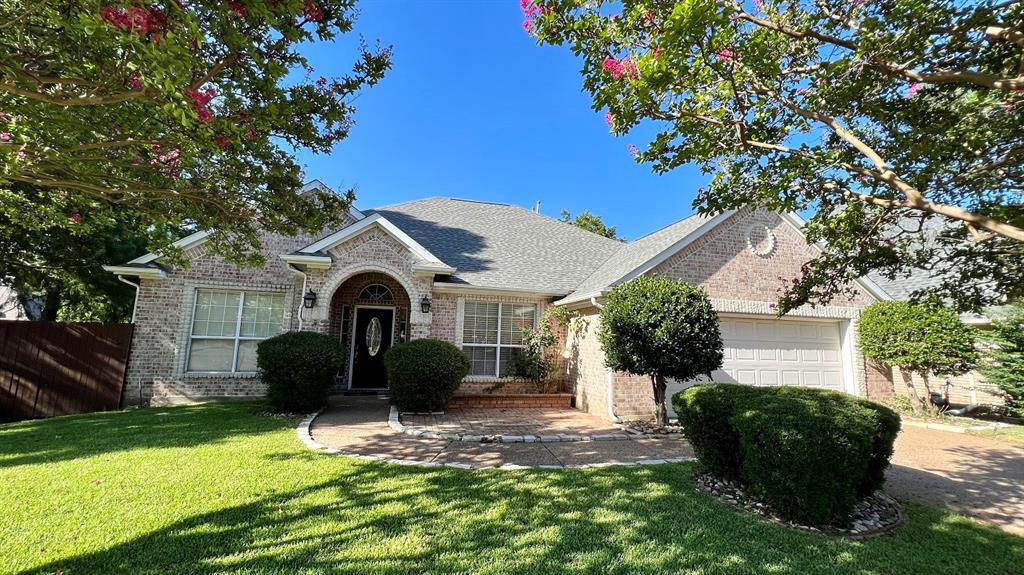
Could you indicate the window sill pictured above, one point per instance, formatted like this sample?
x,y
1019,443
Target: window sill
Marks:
x,y
221,374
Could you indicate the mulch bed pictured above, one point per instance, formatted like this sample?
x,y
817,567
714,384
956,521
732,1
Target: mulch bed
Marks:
x,y
876,514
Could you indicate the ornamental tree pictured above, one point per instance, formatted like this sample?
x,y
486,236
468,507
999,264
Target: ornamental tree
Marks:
x,y
184,113
897,123
922,338
661,328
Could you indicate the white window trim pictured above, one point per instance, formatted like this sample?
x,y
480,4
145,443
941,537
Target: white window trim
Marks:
x,y
499,346
237,338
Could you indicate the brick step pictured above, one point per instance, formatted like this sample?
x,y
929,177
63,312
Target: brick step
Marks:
x,y
535,400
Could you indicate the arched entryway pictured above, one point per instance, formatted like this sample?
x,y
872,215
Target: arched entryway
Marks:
x,y
369,313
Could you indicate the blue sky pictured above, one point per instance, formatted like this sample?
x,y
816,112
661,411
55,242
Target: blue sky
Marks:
x,y
473,108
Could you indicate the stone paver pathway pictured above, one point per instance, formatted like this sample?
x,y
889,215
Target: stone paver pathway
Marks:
x,y
512,421
974,476
358,425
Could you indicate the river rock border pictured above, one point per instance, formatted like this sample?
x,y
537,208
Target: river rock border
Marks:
x,y
303,430
874,515
395,423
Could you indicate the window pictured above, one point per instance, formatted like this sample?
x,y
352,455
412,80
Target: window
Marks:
x,y
491,332
376,292
228,325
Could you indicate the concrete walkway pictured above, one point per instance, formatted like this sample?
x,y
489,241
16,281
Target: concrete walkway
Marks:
x,y
358,425
974,476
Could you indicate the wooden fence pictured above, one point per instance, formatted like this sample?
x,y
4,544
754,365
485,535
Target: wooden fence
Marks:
x,y
49,369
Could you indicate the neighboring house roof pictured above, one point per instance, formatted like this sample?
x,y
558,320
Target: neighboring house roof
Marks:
x,y
501,246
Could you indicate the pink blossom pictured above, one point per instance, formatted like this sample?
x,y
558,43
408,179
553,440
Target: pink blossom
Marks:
x,y
633,151
1008,106
528,26
613,66
913,89
313,11
609,119
725,54
529,8
62,194
135,18
656,51
76,218
250,133
201,103
222,142
618,68
5,136
134,83
759,5
238,8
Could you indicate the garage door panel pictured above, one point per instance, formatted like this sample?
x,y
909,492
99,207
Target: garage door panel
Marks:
x,y
772,352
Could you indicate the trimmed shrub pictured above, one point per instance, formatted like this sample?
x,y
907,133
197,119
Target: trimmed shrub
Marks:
x,y
299,368
705,412
423,374
809,453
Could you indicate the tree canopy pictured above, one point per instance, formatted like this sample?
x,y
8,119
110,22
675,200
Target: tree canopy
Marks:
x,y
184,113
923,338
1003,357
591,223
897,123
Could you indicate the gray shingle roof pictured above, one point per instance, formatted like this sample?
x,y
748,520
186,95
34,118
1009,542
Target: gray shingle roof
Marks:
x,y
635,254
500,245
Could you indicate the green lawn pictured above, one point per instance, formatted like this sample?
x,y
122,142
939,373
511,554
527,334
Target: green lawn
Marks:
x,y
217,488
1013,434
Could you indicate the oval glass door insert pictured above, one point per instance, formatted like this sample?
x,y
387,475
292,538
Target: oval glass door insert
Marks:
x,y
373,336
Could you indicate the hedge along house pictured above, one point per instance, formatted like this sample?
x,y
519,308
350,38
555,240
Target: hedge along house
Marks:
x,y
476,274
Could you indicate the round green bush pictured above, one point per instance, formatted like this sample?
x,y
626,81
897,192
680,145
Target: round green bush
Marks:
x,y
423,374
809,453
705,412
299,368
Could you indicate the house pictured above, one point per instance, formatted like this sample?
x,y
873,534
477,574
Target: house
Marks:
x,y
10,306
476,273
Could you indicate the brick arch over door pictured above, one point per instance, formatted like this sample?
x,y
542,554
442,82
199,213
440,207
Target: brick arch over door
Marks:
x,y
349,295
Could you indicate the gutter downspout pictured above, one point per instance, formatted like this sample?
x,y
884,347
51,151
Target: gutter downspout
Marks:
x,y
135,304
611,379
301,293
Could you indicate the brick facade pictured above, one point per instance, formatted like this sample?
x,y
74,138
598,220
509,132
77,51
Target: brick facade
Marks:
x,y
738,280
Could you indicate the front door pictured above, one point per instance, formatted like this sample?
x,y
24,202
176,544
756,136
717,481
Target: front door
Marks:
x,y
373,337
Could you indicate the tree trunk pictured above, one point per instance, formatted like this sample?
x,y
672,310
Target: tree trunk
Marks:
x,y
929,404
915,399
660,411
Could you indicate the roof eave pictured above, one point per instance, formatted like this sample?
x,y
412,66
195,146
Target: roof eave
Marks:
x,y
141,272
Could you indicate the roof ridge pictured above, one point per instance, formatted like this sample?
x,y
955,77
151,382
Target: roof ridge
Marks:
x,y
666,226
571,225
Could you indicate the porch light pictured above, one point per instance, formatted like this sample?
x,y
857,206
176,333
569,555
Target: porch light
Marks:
x,y
309,300
425,304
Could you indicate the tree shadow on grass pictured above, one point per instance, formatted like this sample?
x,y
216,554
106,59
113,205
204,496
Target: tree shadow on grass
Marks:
x,y
374,518
86,435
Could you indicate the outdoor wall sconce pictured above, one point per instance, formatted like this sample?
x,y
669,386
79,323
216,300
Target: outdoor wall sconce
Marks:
x,y
425,304
309,300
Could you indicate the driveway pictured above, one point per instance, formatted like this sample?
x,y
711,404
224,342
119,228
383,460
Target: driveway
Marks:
x,y
974,476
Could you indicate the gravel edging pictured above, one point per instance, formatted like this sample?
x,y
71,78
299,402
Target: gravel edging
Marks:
x,y
874,515
395,423
303,430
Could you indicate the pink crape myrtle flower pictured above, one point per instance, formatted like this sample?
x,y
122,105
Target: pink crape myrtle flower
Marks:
x,y
223,142
135,83
76,218
725,54
5,136
313,11
609,119
913,89
201,103
238,8
633,151
618,68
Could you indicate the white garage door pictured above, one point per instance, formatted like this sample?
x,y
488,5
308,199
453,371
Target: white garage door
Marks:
x,y
768,352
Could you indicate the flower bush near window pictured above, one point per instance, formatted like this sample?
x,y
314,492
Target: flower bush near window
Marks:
x,y
537,360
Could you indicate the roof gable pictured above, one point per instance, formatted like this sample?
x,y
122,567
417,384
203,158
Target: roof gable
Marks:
x,y
377,220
